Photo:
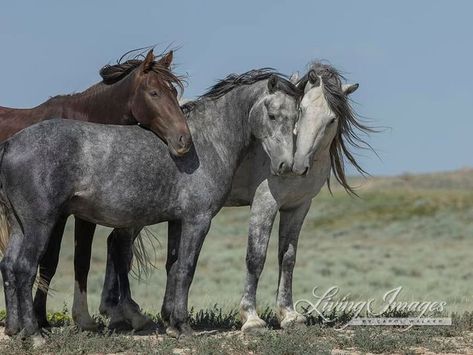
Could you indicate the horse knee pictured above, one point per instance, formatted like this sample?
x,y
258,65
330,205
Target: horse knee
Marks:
x,y
24,272
7,269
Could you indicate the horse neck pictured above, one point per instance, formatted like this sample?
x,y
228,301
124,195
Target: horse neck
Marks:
x,y
100,103
221,126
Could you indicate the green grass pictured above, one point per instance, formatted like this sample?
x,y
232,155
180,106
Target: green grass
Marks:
x,y
409,231
302,340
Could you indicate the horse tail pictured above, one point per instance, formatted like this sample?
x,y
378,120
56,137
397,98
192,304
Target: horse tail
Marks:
x,y
4,223
145,254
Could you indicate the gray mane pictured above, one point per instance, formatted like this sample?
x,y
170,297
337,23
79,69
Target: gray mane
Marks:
x,y
349,128
233,81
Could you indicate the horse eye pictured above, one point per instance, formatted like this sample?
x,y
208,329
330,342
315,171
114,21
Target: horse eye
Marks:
x,y
331,121
154,93
271,116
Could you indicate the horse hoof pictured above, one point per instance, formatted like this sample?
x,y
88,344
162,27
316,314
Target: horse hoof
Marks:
x,y
173,332
90,326
184,331
29,331
144,323
293,319
10,331
120,325
38,341
253,324
85,322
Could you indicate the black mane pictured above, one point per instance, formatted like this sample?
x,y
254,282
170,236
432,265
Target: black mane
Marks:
x,y
233,81
111,74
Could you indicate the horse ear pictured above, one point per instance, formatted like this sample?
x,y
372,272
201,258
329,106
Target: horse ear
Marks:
x,y
166,60
349,88
294,78
148,62
313,78
273,83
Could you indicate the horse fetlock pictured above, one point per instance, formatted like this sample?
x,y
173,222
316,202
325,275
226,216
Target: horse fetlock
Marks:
x,y
166,311
118,320
84,321
133,315
12,326
106,308
30,328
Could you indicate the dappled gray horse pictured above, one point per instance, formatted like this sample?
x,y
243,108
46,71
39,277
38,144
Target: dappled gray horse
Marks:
x,y
326,129
326,126
56,168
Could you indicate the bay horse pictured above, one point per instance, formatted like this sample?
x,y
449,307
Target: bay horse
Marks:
x,y
136,92
133,92
91,171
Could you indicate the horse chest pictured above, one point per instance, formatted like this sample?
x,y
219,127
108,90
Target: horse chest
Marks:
x,y
292,190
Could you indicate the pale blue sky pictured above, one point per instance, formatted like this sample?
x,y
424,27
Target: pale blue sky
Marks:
x,y
413,59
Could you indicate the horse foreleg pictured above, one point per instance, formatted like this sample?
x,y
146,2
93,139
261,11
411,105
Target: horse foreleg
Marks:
x,y
263,211
193,233
83,237
47,269
289,229
174,234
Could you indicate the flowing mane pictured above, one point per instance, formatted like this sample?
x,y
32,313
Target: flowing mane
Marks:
x,y
233,81
111,74
349,127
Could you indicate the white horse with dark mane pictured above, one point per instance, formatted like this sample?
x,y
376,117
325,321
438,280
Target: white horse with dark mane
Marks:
x,y
326,128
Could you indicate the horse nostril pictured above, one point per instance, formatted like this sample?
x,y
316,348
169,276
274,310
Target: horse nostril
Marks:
x,y
281,167
183,141
306,170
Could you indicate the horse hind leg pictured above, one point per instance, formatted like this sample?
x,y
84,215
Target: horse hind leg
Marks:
x,y
127,310
25,265
83,237
12,322
110,290
47,269
174,235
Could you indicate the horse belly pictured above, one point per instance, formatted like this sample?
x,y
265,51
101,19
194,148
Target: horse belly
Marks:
x,y
117,210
